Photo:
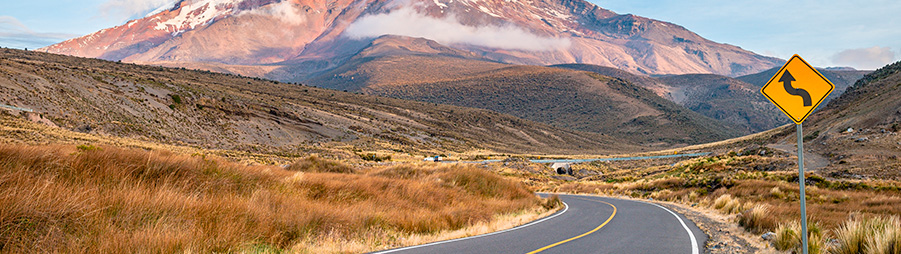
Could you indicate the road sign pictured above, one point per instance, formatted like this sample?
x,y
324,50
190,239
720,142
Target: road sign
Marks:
x,y
797,89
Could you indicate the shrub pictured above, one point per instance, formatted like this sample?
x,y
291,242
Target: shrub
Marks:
x,y
788,238
375,157
758,219
316,164
552,202
869,235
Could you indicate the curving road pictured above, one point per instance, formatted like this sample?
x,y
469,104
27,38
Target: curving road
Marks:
x,y
588,224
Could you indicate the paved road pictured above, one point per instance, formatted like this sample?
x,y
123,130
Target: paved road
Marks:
x,y
587,225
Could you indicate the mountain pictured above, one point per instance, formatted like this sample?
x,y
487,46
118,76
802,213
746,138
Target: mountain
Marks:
x,y
223,111
565,98
872,102
857,132
292,40
736,101
727,99
842,78
645,81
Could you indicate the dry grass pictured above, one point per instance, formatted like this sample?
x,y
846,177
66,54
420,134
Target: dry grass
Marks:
x,y
788,237
728,205
862,234
65,199
758,219
316,164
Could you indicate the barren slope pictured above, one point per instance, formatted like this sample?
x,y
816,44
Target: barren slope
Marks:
x,y
225,111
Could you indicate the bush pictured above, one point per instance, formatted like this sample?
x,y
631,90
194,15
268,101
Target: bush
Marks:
x,y
869,235
552,202
374,157
320,165
788,238
757,220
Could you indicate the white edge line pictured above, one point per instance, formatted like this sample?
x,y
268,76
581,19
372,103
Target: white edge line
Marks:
x,y
694,242
565,208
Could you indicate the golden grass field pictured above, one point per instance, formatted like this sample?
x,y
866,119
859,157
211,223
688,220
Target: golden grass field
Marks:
x,y
63,198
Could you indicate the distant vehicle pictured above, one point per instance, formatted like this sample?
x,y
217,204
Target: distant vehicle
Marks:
x,y
435,159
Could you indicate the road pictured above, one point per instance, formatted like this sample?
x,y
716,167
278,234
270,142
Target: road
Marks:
x,y
588,224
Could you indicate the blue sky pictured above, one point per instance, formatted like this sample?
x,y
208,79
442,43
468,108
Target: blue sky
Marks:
x,y
862,34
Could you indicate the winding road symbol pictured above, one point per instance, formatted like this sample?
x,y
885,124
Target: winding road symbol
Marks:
x,y
798,79
787,84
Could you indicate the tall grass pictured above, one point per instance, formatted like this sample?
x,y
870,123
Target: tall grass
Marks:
x,y
757,219
878,235
788,237
64,199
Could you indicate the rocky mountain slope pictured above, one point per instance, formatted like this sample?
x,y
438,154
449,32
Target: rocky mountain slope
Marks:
x,y
211,110
856,134
571,99
736,101
291,39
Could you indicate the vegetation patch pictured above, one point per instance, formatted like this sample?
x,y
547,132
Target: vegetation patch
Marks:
x,y
80,199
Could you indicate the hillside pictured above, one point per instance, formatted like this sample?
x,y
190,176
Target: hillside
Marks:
x,y
857,132
560,97
726,99
210,110
650,83
575,100
842,79
289,40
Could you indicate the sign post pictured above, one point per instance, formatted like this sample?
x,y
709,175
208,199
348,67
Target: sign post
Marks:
x,y
801,91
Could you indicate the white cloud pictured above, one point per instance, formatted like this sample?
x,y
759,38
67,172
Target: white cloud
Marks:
x,y
129,9
14,34
448,30
285,10
865,58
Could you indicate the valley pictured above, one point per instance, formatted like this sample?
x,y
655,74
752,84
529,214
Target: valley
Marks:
x,y
443,126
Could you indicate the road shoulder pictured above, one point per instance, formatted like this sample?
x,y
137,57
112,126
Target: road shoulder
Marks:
x,y
723,234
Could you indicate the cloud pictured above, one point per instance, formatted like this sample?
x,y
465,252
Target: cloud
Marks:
x,y
14,34
865,58
448,30
130,9
284,10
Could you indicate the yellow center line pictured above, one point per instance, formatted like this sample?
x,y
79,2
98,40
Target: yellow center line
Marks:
x,y
582,235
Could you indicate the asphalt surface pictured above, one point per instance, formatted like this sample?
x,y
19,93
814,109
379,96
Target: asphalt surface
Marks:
x,y
588,225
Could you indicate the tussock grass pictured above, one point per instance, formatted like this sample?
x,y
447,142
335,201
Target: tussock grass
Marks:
x,y
878,235
758,219
64,199
727,204
788,237
314,163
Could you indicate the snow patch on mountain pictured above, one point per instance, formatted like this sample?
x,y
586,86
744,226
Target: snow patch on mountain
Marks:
x,y
449,30
197,13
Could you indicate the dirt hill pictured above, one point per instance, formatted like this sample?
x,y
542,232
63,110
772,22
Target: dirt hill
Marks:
x,y
211,110
857,132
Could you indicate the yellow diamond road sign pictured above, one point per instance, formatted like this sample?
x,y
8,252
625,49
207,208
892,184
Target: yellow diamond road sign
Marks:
x,y
797,89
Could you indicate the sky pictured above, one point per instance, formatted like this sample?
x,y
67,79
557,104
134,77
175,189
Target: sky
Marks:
x,y
861,34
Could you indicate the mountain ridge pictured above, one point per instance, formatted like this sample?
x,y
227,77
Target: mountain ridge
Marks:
x,y
223,111
277,39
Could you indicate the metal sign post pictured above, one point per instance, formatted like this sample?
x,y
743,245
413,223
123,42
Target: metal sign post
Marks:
x,y
801,91
801,183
